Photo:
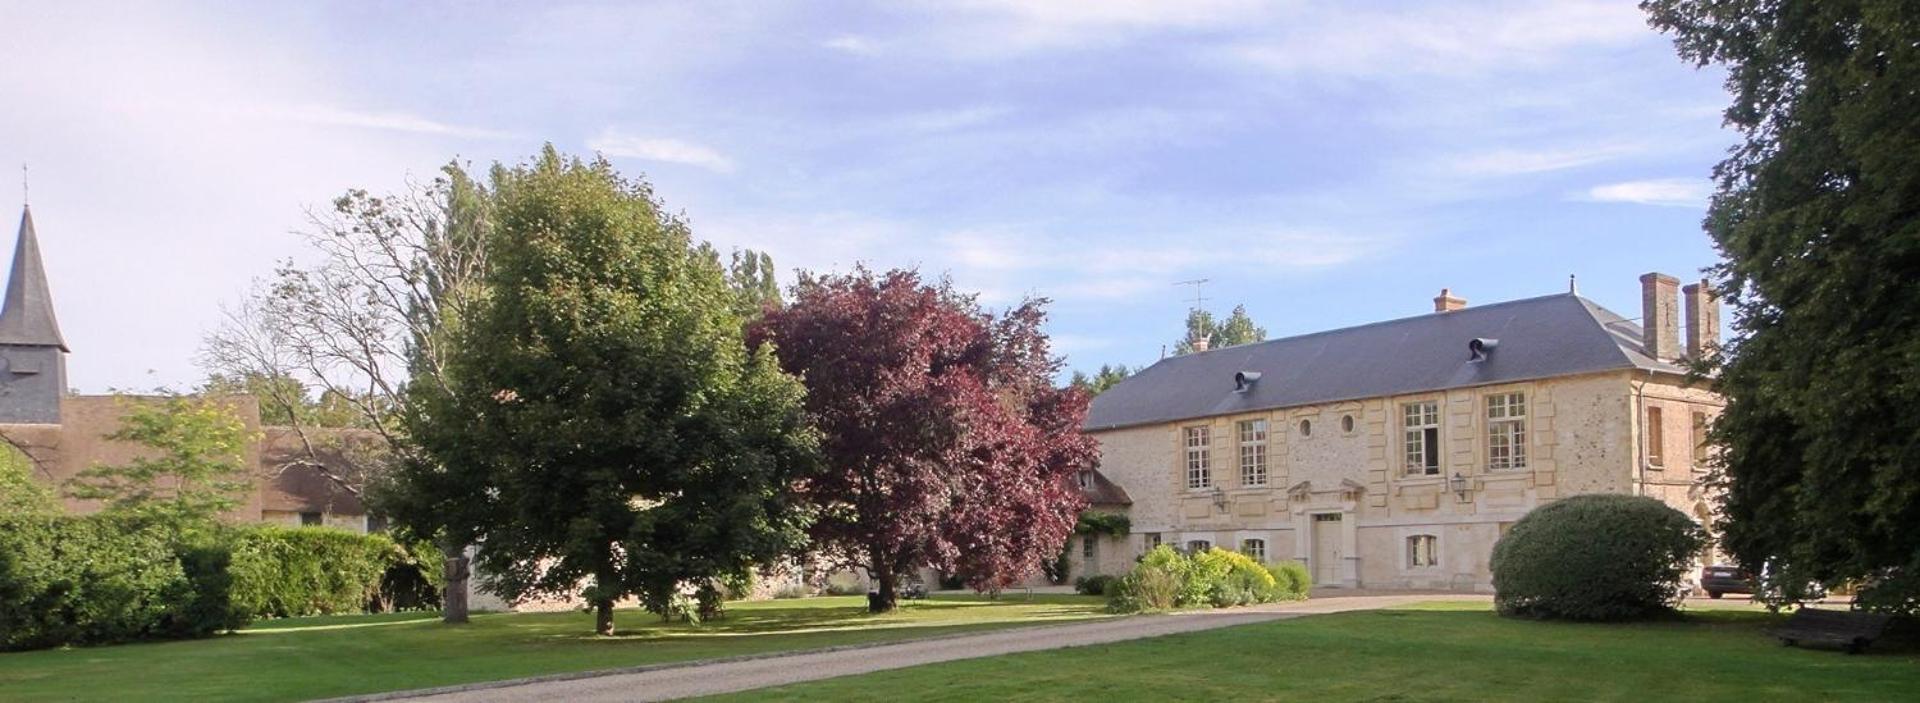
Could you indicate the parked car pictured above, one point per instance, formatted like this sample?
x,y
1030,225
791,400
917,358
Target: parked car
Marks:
x,y
1721,580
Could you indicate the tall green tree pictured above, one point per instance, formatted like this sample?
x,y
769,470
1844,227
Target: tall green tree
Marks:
x,y
1237,329
20,493
1108,376
752,278
192,467
599,422
1818,218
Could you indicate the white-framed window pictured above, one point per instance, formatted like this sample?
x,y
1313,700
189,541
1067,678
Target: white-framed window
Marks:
x,y
1199,457
1255,549
1253,453
1422,551
1089,548
1507,431
1420,430
1196,546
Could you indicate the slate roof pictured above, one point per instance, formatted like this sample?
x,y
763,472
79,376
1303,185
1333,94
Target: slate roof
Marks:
x,y
1544,337
1104,492
26,318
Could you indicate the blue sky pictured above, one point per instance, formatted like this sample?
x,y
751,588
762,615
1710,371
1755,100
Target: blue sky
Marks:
x,y
1324,164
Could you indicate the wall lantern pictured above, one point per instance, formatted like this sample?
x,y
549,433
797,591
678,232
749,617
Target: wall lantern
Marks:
x,y
1459,485
1219,499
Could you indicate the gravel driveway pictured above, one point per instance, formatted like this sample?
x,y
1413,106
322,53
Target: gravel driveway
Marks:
x,y
698,679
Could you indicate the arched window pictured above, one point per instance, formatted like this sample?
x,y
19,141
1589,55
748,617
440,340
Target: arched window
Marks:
x,y
1306,428
1255,549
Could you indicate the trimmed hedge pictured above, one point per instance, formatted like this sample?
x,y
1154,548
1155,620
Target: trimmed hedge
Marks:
x,y
100,579
295,571
1218,578
1595,557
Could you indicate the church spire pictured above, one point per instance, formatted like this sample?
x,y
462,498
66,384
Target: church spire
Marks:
x,y
26,318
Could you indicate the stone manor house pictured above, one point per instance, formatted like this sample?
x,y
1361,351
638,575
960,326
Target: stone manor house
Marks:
x,y
1394,454
63,433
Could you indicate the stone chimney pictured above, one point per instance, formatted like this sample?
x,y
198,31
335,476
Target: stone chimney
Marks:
x,y
1660,315
1703,320
1447,303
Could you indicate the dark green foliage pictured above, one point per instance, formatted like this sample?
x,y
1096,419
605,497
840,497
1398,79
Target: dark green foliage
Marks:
x,y
598,420
290,572
1096,585
1093,522
1059,568
1818,218
1107,377
1236,330
1595,557
102,579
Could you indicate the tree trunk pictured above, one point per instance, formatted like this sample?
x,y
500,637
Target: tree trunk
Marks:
x,y
888,598
603,618
453,601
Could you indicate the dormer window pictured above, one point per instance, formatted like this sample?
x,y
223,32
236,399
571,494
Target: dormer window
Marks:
x,y
1085,479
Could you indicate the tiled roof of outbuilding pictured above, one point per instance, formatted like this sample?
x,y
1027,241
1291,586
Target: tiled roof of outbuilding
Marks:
x,y
1544,337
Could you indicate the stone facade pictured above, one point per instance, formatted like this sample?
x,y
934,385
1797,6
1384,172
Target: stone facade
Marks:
x,y
1343,495
1583,435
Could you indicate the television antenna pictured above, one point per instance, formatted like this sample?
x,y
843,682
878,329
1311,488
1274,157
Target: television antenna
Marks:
x,y
1197,284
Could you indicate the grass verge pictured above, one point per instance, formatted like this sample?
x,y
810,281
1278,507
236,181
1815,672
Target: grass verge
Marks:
x,y
306,658
1432,652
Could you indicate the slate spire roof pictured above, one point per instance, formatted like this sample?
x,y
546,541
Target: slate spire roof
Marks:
x,y
26,318
1545,337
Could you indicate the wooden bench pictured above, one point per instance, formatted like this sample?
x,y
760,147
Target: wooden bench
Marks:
x,y
1848,630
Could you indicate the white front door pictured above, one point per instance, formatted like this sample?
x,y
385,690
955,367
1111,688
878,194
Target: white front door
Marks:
x,y
1327,556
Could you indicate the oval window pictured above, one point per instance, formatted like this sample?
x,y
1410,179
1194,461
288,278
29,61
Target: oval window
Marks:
x,y
1306,428
1346,423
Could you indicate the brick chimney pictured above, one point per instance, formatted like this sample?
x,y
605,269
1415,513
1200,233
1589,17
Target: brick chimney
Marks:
x,y
1200,342
1703,320
1660,315
1447,303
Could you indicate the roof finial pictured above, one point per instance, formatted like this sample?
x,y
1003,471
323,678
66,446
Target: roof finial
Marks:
x,y
1573,288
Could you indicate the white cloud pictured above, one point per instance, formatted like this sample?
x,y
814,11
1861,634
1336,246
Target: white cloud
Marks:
x,y
390,121
1433,40
1672,192
853,44
619,144
1521,162
1003,28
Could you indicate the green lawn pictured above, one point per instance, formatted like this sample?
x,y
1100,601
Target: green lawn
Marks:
x,y
1439,652
333,656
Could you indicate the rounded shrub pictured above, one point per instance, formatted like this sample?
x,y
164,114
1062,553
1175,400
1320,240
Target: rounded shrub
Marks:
x,y
1291,577
1595,557
1095,585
